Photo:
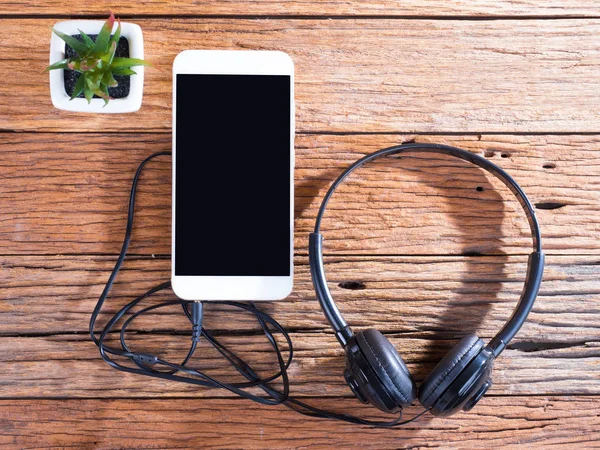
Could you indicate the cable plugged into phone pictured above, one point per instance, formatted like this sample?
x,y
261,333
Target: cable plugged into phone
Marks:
x,y
276,387
197,314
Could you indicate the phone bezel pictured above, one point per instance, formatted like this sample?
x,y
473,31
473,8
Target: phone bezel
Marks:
x,y
233,62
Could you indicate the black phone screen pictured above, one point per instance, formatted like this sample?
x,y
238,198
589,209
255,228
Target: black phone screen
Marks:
x,y
232,175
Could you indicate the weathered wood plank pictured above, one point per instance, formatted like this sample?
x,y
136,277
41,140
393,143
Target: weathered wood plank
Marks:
x,y
420,296
274,8
536,422
70,366
59,197
393,75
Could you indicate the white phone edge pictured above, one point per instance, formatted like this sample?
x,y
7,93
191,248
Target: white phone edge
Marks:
x,y
240,288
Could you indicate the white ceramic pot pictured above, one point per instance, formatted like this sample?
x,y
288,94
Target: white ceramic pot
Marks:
x,y
60,99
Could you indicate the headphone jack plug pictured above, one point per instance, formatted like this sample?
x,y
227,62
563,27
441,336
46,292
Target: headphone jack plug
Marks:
x,y
197,313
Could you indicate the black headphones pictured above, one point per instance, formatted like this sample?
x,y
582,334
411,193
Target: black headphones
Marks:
x,y
374,370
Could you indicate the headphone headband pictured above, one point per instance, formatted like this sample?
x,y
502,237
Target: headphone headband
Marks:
x,y
535,266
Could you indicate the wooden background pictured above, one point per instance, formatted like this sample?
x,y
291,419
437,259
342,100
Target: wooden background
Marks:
x,y
436,247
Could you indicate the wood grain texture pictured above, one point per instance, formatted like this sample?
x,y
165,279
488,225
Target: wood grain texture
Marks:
x,y
59,197
531,422
353,75
363,83
425,297
69,366
275,8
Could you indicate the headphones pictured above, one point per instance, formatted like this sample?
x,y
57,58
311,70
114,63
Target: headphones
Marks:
x,y
374,371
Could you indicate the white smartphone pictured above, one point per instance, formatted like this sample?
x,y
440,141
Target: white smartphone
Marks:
x,y
233,181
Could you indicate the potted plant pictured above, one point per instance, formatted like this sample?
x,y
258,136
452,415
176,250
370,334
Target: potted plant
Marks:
x,y
91,68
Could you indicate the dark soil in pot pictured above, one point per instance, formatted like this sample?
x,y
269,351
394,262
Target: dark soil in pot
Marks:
x,y
71,77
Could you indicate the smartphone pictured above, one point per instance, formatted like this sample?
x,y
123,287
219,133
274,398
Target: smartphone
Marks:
x,y
233,163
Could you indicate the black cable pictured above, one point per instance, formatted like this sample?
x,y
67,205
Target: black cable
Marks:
x,y
151,365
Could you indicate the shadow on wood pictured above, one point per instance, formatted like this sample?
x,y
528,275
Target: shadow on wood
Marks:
x,y
473,227
459,199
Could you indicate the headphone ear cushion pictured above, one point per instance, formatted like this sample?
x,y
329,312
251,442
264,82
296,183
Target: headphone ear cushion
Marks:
x,y
446,371
388,365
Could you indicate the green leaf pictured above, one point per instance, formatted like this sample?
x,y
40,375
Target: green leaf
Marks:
x,y
79,85
123,71
58,65
128,62
115,38
87,91
104,36
95,76
89,64
75,65
79,47
109,80
107,96
108,57
101,94
89,43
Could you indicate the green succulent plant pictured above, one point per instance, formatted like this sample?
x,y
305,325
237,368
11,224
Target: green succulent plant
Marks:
x,y
96,61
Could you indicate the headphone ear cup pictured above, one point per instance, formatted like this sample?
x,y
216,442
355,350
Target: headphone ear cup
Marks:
x,y
388,365
448,369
